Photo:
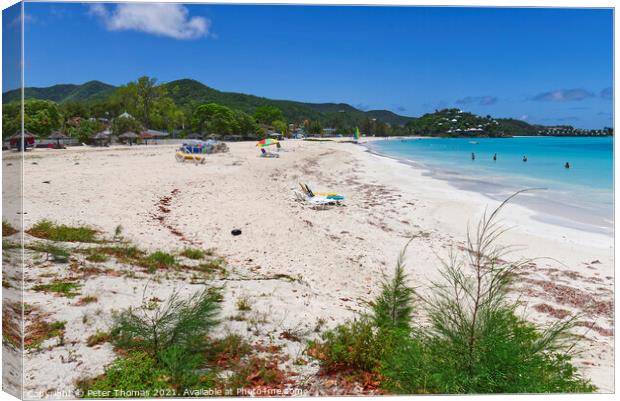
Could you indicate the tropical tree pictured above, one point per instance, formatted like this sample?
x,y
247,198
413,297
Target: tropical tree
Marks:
x,y
314,127
148,93
280,126
214,118
41,117
268,114
120,125
85,129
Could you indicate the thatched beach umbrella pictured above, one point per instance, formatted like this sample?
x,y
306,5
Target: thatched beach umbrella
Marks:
x,y
57,135
129,136
101,136
16,139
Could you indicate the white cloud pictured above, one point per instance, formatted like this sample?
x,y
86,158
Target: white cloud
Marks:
x,y
171,20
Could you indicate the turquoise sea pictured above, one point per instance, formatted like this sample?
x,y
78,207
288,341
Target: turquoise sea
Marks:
x,y
580,196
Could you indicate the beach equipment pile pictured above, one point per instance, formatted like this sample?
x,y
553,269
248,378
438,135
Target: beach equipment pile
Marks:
x,y
195,150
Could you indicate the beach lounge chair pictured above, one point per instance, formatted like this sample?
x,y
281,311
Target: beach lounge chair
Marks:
x,y
329,195
315,202
182,157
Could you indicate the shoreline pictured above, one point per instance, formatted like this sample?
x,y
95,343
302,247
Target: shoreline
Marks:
x,y
337,256
544,206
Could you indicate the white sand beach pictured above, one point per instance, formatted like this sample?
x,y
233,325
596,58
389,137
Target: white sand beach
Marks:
x,y
334,258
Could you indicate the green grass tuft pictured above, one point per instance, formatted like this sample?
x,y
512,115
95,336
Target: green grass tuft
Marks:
x,y
67,289
193,253
59,232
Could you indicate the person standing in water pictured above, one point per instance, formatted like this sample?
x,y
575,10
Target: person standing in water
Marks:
x,y
494,157
524,158
473,156
567,165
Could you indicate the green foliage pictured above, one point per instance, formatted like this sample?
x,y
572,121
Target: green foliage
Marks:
x,y
215,119
41,117
268,114
475,342
137,372
159,260
120,125
85,129
392,308
48,248
65,288
314,127
181,323
280,126
350,346
63,233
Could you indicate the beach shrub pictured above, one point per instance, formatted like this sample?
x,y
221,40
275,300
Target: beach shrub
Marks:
x,y
349,346
193,253
179,322
59,232
392,308
137,372
474,342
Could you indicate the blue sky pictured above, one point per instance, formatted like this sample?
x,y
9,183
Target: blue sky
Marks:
x,y
546,66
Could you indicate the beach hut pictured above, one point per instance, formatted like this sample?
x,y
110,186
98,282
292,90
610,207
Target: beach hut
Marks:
x,y
101,137
57,135
16,140
129,136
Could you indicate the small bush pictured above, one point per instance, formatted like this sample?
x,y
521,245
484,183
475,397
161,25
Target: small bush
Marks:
x,y
350,346
60,232
475,343
136,372
67,289
244,305
193,253
184,323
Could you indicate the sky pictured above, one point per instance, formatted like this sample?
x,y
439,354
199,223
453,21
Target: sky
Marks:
x,y
547,66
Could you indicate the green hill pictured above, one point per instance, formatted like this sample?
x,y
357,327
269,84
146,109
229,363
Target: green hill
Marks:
x,y
88,92
188,93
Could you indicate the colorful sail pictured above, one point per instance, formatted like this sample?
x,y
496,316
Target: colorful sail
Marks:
x,y
356,135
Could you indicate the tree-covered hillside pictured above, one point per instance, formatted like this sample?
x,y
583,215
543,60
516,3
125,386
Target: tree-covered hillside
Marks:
x,y
187,106
88,92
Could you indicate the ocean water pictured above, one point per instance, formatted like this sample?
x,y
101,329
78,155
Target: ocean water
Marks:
x,y
580,196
